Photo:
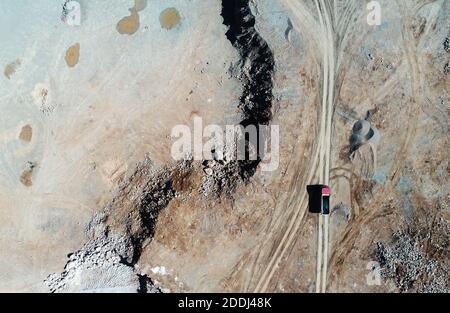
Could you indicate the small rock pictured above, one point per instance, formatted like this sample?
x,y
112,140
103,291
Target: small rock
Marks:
x,y
208,171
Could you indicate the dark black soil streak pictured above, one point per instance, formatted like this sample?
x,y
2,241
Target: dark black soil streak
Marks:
x,y
149,208
146,285
255,68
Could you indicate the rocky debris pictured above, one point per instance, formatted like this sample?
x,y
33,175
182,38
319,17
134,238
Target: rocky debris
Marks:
x,y
417,258
107,261
208,171
134,212
447,44
343,210
97,266
149,210
220,178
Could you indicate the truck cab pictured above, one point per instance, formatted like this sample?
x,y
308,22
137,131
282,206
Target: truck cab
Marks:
x,y
319,199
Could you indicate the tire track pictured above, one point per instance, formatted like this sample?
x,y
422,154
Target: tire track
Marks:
x,y
322,157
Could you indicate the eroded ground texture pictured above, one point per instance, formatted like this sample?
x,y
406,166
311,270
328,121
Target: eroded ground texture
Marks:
x,y
91,199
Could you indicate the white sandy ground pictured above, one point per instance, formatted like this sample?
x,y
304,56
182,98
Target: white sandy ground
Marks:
x,y
119,102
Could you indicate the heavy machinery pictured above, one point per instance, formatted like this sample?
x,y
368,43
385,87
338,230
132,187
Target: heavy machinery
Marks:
x,y
319,199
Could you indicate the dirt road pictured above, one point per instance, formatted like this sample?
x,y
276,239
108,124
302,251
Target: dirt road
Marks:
x,y
326,26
